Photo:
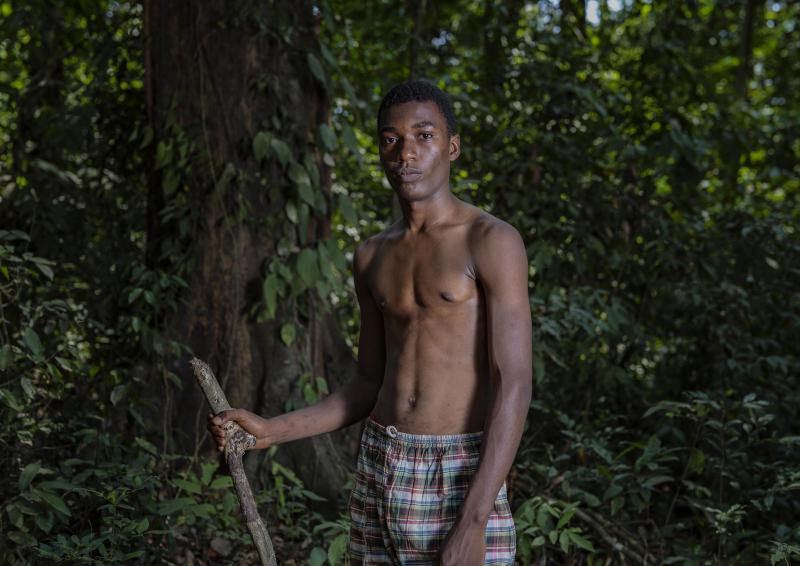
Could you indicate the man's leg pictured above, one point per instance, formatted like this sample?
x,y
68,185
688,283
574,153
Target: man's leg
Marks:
x,y
368,539
427,478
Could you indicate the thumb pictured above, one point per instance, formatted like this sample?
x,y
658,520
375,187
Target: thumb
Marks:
x,y
229,415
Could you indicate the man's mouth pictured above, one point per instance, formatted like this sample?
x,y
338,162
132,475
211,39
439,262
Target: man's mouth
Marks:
x,y
407,174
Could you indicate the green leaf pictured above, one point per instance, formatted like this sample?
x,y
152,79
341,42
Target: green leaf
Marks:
x,y
145,445
299,175
569,511
27,387
337,549
10,400
163,154
656,480
58,484
327,136
175,506
118,393
288,333
309,394
579,541
538,369
133,295
171,181
616,504
306,193
563,541
221,482
207,470
304,214
27,475
188,485
350,139
44,266
270,288
225,179
291,212
54,501
347,209
311,495
6,356
697,461
282,151
316,68
31,340
307,266
311,167
318,557
22,539
45,521
261,144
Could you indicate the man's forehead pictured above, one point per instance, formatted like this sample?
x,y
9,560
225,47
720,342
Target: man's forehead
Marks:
x,y
415,113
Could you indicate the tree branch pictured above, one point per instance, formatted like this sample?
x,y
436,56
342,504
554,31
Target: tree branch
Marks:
x,y
238,443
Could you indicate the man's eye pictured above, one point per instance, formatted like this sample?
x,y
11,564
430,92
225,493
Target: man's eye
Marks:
x,y
387,141
426,135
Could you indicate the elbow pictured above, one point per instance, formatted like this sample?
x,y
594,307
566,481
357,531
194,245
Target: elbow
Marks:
x,y
517,387
525,392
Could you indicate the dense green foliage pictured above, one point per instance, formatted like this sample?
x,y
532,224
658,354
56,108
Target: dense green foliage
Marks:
x,y
650,161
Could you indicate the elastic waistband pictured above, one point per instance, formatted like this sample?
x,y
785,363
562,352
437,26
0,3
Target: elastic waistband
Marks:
x,y
390,433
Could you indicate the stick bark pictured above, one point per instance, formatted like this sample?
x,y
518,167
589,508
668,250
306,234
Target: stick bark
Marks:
x,y
238,442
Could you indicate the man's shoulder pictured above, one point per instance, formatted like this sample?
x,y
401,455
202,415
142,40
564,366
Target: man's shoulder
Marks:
x,y
367,249
489,233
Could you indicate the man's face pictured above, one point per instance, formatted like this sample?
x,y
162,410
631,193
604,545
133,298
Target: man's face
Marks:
x,y
416,150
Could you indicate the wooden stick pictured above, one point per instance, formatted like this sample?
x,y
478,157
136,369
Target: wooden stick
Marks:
x,y
238,442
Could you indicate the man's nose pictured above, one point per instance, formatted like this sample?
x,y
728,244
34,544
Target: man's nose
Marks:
x,y
408,150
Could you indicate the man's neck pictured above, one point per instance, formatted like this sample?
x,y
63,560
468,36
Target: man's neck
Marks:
x,y
423,215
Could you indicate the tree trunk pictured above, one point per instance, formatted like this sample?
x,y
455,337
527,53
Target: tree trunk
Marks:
x,y
417,9
218,74
573,15
501,22
745,70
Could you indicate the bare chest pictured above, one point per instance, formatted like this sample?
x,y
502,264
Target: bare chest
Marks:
x,y
434,278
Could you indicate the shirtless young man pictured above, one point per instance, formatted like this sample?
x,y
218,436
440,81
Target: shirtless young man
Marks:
x,y
444,353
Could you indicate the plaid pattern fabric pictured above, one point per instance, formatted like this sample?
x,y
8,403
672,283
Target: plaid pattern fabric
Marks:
x,y
407,493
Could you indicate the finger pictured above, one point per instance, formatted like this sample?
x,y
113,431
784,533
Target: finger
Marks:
x,y
228,415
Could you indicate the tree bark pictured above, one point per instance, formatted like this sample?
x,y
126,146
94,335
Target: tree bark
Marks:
x,y
573,14
745,70
417,8
218,74
501,22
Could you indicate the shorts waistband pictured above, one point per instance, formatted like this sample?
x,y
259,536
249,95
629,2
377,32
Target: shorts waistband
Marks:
x,y
390,433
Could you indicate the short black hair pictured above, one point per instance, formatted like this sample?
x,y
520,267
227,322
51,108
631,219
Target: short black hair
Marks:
x,y
419,91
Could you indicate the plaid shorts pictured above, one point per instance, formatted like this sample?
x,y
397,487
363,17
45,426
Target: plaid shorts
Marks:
x,y
408,490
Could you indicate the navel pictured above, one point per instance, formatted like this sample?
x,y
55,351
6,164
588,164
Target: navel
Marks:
x,y
412,401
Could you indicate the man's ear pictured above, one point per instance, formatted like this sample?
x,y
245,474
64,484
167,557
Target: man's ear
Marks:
x,y
455,147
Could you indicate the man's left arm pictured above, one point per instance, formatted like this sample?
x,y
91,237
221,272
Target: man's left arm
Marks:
x,y
501,266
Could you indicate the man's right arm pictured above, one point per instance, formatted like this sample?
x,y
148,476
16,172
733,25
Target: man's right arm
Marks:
x,y
348,404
